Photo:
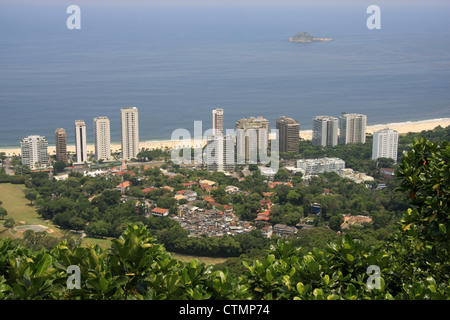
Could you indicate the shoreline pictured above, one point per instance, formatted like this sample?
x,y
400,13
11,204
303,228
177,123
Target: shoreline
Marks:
x,y
400,127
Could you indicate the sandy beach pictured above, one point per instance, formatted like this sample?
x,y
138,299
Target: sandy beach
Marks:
x,y
400,127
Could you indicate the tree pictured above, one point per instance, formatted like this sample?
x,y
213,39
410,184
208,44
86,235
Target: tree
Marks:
x,y
59,166
9,223
31,195
281,175
3,213
98,229
425,172
32,237
336,222
385,163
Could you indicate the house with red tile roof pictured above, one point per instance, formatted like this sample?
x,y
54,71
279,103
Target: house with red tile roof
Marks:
x,y
160,212
124,185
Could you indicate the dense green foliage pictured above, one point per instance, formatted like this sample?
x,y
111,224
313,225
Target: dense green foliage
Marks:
x,y
414,264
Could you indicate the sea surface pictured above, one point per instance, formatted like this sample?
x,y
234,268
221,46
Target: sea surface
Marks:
x,y
176,63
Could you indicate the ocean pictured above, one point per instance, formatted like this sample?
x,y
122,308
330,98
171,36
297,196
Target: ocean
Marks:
x,y
176,63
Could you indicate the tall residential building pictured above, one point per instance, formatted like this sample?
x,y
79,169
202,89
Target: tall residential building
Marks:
x,y
219,153
252,138
34,151
129,122
385,144
80,141
102,138
325,131
289,134
352,128
217,120
61,145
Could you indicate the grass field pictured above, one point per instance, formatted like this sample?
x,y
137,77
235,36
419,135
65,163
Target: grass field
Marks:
x,y
206,260
19,209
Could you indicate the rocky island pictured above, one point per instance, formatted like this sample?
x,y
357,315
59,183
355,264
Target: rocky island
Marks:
x,y
306,37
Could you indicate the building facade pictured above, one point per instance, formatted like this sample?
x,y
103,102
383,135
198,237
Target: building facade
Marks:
x,y
102,138
34,151
61,145
217,120
385,144
315,166
252,138
129,121
289,134
219,153
325,131
80,142
352,128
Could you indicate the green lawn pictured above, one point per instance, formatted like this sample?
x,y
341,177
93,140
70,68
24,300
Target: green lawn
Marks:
x,y
19,209
205,260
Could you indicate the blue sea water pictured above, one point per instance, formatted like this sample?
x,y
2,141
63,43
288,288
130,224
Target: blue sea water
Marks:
x,y
177,63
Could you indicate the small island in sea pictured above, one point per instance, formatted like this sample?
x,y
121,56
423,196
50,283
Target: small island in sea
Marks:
x,y
306,37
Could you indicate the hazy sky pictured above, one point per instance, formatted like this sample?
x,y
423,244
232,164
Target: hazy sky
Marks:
x,y
239,2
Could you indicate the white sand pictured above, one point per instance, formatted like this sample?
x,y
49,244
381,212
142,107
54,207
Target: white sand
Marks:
x,y
401,127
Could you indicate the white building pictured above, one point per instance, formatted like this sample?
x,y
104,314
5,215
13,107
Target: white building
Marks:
x,y
102,138
352,128
34,151
219,153
385,144
80,141
325,131
314,166
252,139
130,132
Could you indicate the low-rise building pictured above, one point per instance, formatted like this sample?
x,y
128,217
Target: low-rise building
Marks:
x,y
283,230
321,165
160,212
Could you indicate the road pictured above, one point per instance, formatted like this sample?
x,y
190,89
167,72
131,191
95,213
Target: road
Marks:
x,y
6,165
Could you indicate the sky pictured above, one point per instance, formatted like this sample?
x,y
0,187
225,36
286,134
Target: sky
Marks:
x,y
238,2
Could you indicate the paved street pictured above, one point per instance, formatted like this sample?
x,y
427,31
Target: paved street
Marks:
x,y
6,165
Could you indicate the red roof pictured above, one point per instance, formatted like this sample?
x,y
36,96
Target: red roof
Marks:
x,y
121,173
189,184
125,184
147,190
209,199
160,210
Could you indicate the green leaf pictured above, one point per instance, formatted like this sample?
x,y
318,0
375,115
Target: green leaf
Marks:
x,y
300,288
326,280
43,264
269,275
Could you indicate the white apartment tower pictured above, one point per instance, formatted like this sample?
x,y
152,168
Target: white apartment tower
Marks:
x,y
352,128
385,144
34,151
217,120
102,138
252,139
219,153
80,141
129,122
325,131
